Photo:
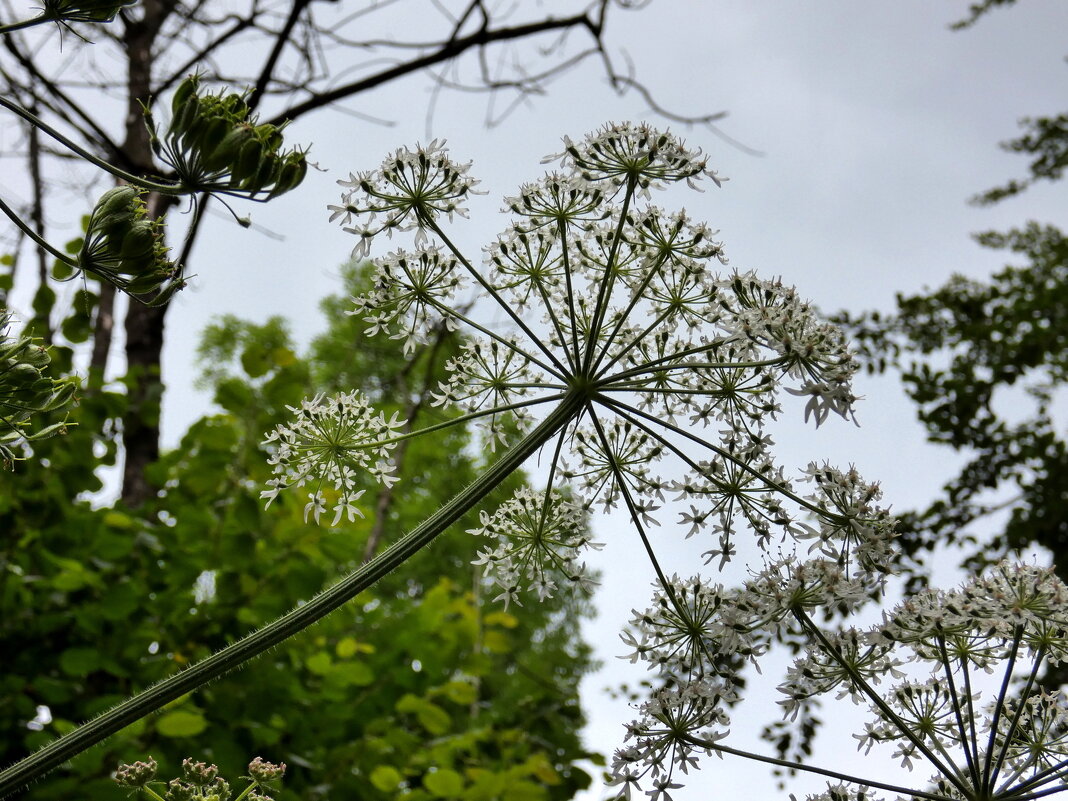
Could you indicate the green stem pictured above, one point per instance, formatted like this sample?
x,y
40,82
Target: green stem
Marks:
x,y
1020,704
949,771
129,177
604,291
636,296
464,418
631,413
36,237
673,361
712,745
503,341
999,709
26,23
968,742
572,310
501,302
234,656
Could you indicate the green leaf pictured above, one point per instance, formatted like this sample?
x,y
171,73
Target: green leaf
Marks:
x,y
79,661
319,663
354,674
234,395
443,783
385,778
181,723
460,692
119,601
430,716
434,719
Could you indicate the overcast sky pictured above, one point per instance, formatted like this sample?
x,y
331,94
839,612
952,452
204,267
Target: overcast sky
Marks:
x,y
875,124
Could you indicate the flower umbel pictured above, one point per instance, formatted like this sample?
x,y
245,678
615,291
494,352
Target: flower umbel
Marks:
x,y
538,536
322,445
411,189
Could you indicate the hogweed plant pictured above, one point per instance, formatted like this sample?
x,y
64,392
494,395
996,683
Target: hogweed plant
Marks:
x,y
201,782
609,339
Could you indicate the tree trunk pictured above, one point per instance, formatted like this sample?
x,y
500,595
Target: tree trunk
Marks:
x,y
144,324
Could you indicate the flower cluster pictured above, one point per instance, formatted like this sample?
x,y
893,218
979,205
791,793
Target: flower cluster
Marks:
x,y
201,782
537,535
1012,621
410,190
322,445
411,296
26,391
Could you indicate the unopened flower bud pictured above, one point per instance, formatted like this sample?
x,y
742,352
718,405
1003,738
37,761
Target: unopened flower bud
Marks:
x,y
263,772
136,774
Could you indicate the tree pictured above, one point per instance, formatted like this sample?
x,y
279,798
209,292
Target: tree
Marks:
x,y
984,362
422,682
292,59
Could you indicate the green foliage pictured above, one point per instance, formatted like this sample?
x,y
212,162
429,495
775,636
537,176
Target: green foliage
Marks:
x,y
983,361
415,691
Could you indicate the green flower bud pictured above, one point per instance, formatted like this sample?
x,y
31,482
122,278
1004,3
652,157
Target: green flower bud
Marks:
x,y
199,773
262,772
185,90
139,241
137,774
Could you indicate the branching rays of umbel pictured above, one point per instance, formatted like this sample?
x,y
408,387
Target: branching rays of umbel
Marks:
x,y
622,313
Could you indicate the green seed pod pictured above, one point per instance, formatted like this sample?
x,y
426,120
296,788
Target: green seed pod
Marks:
x,y
265,175
193,136
139,241
21,374
270,135
115,200
182,93
248,162
222,157
149,282
185,116
290,176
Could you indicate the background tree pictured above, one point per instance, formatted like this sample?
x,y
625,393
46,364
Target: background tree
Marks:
x,y
420,686
298,57
985,362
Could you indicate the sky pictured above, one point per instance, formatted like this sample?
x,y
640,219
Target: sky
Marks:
x,y
873,122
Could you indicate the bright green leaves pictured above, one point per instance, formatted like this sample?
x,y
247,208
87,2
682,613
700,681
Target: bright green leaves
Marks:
x,y
386,778
126,249
181,723
122,582
444,783
25,391
215,144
